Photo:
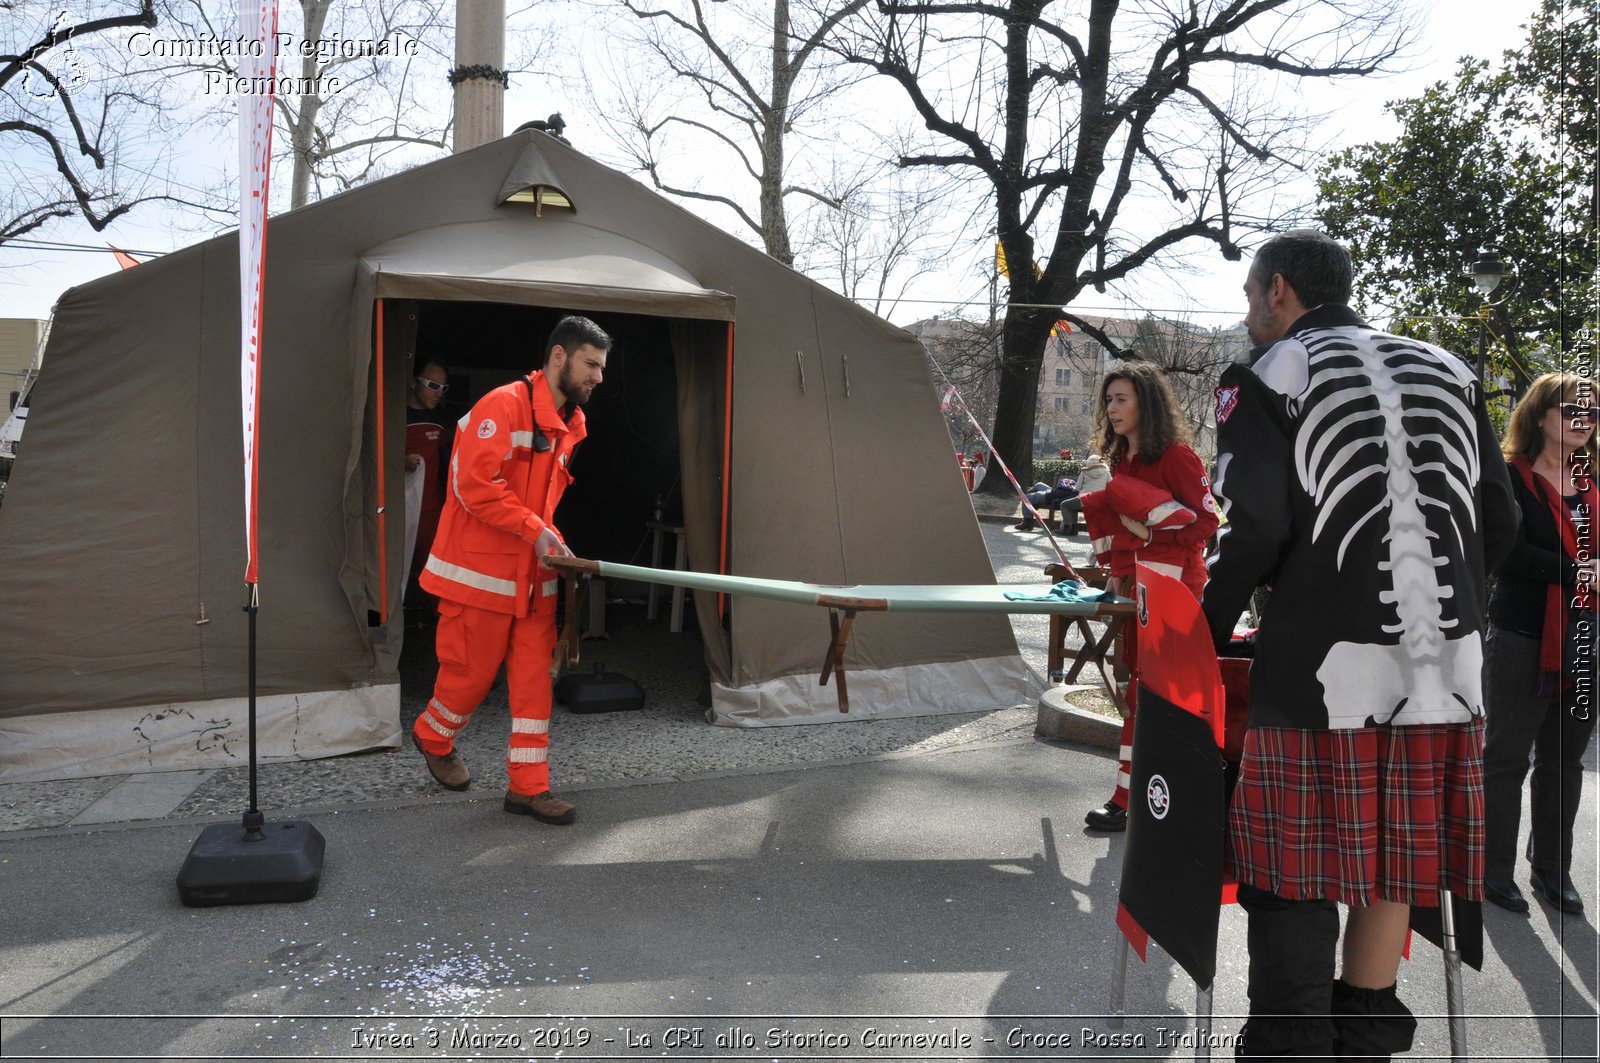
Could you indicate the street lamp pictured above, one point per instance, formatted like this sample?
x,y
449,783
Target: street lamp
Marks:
x,y
1486,274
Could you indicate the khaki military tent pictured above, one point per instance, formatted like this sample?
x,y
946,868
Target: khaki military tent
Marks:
x,y
796,433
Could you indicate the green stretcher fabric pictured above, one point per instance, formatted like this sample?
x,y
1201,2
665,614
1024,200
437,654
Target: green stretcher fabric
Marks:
x,y
887,597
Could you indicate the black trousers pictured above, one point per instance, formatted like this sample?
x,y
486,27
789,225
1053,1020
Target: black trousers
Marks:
x,y
1519,723
1298,1010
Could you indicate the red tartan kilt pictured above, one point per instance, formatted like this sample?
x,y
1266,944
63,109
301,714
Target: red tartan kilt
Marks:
x,y
1361,815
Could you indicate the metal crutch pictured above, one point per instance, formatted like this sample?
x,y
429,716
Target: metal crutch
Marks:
x,y
1202,1023
1455,998
1119,986
1118,1014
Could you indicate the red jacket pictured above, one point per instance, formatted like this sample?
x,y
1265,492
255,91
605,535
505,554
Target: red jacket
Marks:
x,y
1171,495
502,492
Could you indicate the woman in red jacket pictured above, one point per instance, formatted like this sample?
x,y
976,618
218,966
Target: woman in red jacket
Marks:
x,y
1145,438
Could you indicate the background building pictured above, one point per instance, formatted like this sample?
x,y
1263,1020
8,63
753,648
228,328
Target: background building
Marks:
x,y
19,341
21,346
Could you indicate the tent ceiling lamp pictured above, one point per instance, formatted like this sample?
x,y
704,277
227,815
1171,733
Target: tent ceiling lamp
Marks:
x,y
533,179
541,196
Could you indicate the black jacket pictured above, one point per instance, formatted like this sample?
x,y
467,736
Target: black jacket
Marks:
x,y
1536,560
1362,481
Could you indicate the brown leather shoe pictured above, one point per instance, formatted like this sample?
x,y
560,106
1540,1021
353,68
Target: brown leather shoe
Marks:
x,y
448,771
545,807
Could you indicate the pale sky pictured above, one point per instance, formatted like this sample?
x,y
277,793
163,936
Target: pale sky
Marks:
x,y
32,279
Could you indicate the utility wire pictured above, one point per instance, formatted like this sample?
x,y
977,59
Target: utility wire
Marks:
x,y
51,245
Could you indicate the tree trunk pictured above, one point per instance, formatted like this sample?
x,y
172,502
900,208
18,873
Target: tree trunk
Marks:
x,y
1021,360
302,135
774,222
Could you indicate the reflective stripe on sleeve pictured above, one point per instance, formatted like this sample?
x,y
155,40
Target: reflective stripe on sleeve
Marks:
x,y
1165,510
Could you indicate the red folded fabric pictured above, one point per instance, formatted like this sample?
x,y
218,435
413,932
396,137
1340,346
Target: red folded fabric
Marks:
x,y
1114,544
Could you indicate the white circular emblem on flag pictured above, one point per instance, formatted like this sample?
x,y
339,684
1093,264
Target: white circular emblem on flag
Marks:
x,y
1158,797
487,429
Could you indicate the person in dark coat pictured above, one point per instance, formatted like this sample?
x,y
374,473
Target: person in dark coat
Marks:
x,y
1361,480
1537,701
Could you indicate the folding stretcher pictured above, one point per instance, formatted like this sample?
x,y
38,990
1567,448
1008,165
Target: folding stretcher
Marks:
x,y
844,602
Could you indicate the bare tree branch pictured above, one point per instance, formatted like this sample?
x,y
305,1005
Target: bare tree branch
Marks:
x,y
761,75
1106,136
59,35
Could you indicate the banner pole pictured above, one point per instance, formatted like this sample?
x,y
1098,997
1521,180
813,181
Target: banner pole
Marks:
x,y
227,864
253,819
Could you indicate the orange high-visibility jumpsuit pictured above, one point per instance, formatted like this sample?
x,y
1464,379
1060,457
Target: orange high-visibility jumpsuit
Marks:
x,y
497,603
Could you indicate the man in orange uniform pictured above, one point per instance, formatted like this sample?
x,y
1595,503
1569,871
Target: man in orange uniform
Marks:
x,y
497,603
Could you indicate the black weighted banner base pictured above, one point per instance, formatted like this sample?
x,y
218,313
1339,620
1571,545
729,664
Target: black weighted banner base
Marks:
x,y
270,863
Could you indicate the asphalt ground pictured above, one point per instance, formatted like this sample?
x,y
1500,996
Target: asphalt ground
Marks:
x,y
919,894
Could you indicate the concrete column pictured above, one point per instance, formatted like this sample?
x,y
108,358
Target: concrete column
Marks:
x,y
480,101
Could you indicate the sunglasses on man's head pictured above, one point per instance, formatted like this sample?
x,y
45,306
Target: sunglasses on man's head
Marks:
x,y
433,385
1576,410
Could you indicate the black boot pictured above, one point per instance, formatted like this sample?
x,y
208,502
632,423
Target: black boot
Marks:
x,y
1370,1025
1291,977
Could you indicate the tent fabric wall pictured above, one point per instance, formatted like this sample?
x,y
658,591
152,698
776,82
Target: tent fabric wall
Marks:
x,y
122,543
700,351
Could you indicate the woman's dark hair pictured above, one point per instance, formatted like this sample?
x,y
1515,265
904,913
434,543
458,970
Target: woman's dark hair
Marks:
x,y
1160,422
573,332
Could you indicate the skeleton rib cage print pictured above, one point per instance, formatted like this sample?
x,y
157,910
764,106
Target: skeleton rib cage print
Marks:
x,y
1385,446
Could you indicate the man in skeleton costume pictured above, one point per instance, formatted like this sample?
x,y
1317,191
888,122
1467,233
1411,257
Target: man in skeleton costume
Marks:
x,y
1362,482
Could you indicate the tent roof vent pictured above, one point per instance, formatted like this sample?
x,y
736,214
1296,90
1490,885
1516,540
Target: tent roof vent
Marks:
x,y
532,179
541,196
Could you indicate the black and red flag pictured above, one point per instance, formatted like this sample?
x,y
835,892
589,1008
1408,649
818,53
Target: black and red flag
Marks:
x,y
1172,886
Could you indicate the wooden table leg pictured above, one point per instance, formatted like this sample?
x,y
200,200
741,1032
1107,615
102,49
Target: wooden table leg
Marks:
x,y
1057,659
833,663
1096,649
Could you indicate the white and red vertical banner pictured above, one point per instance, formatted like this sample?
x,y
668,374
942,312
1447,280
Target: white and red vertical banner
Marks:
x,y
258,59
